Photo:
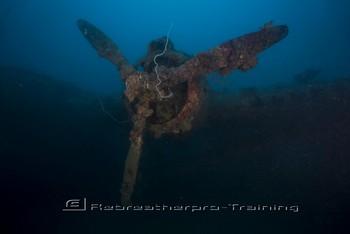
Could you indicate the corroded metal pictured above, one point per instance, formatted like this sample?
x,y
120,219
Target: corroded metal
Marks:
x,y
178,72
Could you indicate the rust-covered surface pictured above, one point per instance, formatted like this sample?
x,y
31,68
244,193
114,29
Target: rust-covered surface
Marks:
x,y
170,102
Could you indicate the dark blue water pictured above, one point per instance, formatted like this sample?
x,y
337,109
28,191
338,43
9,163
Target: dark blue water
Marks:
x,y
43,36
262,138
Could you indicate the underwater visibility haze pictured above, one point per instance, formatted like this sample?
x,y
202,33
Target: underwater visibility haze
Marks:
x,y
172,116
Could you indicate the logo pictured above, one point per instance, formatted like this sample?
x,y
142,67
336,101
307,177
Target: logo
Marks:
x,y
75,205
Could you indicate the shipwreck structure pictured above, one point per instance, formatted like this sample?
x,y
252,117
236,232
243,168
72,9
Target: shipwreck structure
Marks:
x,y
165,98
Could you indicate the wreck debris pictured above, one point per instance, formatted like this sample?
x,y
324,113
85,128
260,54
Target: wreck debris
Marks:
x,y
180,73
307,77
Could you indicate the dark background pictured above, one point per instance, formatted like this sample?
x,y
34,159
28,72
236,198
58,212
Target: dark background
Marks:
x,y
285,145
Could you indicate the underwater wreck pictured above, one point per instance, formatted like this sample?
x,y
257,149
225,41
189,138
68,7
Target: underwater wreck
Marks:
x,y
165,98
